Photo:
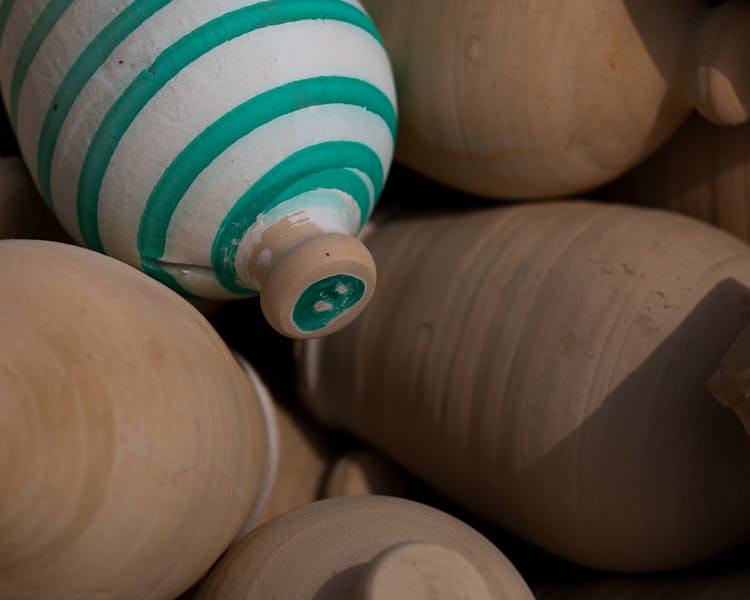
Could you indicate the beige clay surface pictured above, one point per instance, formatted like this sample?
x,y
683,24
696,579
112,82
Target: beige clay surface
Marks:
x,y
302,264
364,548
546,366
530,99
309,467
305,456
703,171
362,473
131,443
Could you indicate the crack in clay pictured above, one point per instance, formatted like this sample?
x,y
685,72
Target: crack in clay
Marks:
x,y
183,268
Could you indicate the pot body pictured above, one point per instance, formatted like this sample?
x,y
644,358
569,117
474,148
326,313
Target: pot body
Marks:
x,y
528,99
132,445
546,366
329,550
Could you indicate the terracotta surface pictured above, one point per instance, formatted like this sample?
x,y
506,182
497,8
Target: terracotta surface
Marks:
x,y
364,548
529,99
732,586
703,171
132,446
546,366
227,148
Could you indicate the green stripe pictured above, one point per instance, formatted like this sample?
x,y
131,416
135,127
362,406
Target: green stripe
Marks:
x,y
90,61
344,180
239,122
39,32
168,64
316,190
4,12
265,194
339,292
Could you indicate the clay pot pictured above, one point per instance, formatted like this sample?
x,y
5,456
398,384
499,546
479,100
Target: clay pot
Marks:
x,y
22,212
546,366
270,426
530,99
702,171
363,473
304,457
132,445
226,148
307,466
730,586
364,548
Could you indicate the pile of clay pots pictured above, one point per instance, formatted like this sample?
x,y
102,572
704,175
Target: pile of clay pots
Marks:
x,y
526,376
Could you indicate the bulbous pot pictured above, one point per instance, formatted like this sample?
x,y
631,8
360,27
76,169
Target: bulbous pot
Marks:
x,y
364,548
226,148
132,445
532,99
546,366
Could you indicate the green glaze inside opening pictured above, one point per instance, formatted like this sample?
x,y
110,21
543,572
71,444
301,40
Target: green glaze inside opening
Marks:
x,y
326,300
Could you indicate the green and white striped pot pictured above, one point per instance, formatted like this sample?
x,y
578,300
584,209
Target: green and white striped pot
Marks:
x,y
226,148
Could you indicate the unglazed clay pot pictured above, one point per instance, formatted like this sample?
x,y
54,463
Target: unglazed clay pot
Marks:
x,y
702,171
306,466
364,548
529,99
22,212
732,586
363,473
132,445
270,426
226,148
304,458
546,366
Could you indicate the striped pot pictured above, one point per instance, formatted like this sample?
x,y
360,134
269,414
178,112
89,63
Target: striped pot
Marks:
x,y
226,148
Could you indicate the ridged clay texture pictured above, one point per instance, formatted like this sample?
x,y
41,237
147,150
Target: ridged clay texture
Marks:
x,y
546,366
364,548
703,171
132,446
226,148
530,99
